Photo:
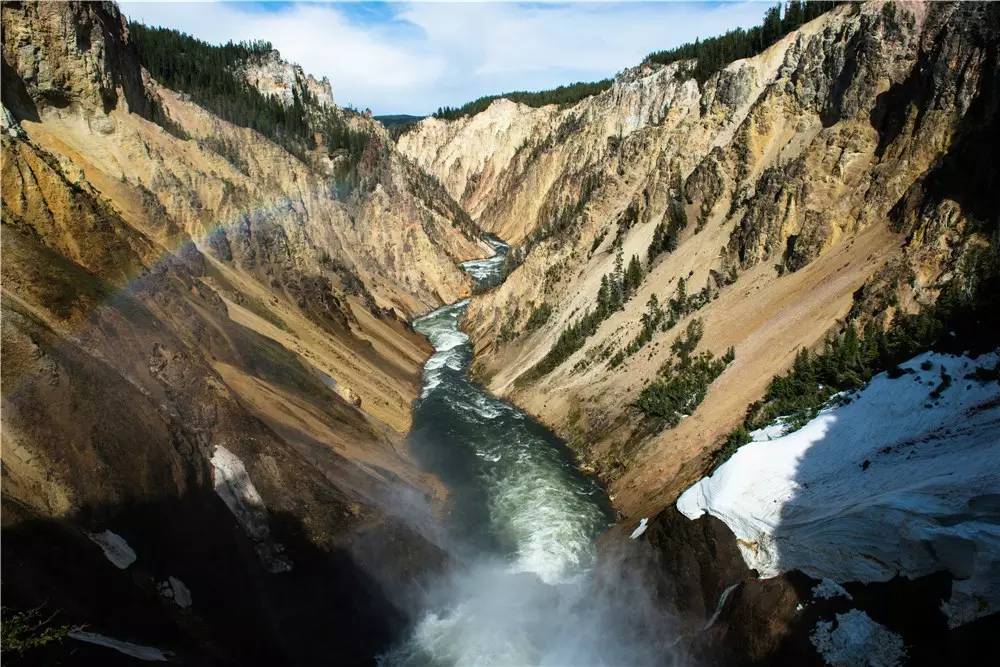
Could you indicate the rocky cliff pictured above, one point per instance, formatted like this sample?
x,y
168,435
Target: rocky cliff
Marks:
x,y
196,322
272,75
840,174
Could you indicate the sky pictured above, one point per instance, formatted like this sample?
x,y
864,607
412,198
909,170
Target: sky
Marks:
x,y
413,57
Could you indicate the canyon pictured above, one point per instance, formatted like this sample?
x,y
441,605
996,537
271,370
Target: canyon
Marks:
x,y
813,176
267,405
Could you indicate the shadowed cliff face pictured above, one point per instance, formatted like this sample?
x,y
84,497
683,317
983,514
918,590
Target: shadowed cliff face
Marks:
x,y
238,612
206,354
842,173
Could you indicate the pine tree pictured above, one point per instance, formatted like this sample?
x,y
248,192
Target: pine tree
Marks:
x,y
633,275
618,281
604,297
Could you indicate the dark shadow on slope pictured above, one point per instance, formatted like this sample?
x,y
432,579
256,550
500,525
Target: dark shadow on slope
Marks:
x,y
326,610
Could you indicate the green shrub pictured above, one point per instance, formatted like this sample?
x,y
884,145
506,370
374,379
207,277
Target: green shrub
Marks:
x,y
959,322
738,437
683,383
616,288
23,631
538,317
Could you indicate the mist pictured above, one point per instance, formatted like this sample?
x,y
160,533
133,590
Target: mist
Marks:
x,y
522,583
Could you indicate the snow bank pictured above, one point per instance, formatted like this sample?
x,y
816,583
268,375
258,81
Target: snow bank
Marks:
x,y
115,548
138,651
828,589
174,589
855,640
233,485
899,480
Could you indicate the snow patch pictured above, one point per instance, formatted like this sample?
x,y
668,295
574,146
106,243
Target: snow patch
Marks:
x,y
855,640
174,589
115,548
639,530
973,598
896,481
233,485
138,651
719,605
829,589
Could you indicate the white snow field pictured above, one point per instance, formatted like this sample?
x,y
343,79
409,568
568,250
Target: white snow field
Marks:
x,y
897,481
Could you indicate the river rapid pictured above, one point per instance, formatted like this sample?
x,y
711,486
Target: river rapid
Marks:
x,y
521,525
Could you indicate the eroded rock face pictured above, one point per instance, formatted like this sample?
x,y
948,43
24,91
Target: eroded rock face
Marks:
x,y
823,178
75,55
273,76
727,615
168,294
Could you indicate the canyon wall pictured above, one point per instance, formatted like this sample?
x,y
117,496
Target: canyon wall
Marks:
x,y
840,175
207,359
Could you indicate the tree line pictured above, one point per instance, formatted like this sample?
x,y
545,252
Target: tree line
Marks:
x,y
562,95
714,53
959,322
210,75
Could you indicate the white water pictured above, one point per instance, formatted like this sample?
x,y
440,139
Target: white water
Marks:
x,y
522,528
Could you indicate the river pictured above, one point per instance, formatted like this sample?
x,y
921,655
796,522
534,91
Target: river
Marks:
x,y
522,522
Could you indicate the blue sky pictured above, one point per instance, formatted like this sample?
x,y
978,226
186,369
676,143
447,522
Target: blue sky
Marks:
x,y
413,57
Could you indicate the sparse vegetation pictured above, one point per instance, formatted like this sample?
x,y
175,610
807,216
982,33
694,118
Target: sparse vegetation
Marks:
x,y
27,630
958,322
667,231
557,221
738,437
656,317
538,317
683,381
598,240
616,288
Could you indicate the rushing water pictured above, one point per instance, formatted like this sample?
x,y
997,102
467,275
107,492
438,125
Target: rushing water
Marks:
x,y
516,492
522,523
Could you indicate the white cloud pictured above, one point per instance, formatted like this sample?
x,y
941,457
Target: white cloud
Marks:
x,y
414,57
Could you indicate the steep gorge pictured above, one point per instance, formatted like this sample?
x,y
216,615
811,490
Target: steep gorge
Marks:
x,y
211,374
842,178
814,183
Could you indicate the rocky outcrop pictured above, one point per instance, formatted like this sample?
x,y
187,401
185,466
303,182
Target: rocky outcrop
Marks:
x,y
174,287
819,180
273,76
730,616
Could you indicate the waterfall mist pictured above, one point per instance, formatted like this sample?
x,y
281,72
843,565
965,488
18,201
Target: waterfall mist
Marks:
x,y
524,586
